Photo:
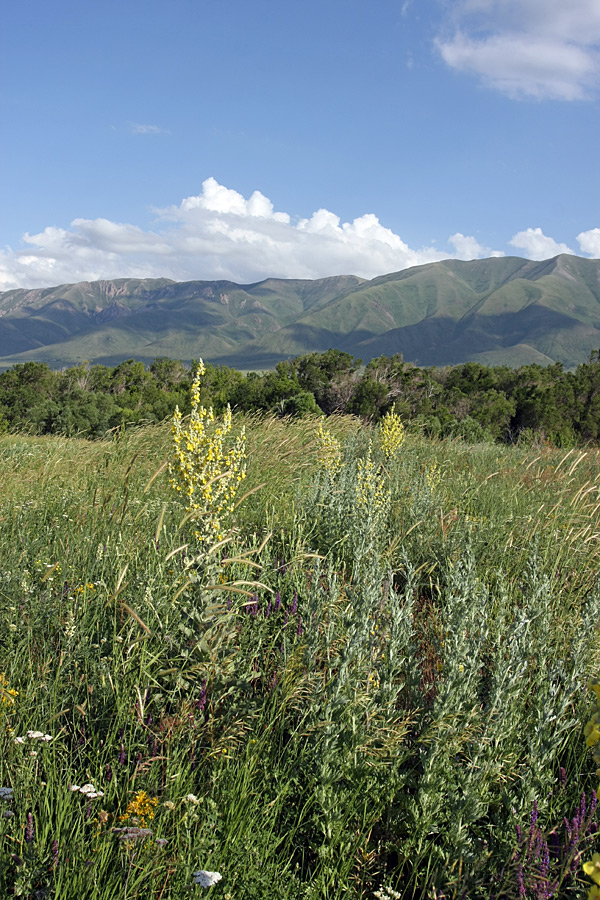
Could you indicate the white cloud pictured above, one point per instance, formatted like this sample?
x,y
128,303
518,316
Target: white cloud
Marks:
x,y
468,247
219,234
589,241
537,245
527,48
138,128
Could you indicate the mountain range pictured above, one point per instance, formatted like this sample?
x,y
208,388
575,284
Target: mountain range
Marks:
x,y
499,311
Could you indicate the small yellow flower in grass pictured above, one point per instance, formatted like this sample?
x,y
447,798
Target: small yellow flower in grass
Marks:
x,y
7,694
141,807
391,434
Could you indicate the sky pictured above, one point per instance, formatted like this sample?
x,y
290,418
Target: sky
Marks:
x,y
228,139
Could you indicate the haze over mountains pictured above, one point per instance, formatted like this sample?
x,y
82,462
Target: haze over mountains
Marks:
x,y
496,311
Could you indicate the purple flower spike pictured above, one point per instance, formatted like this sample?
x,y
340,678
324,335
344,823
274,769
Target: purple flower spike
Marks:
x,y
277,601
29,829
295,603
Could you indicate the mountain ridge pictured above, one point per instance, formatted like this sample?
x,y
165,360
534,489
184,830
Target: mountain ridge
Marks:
x,y
443,313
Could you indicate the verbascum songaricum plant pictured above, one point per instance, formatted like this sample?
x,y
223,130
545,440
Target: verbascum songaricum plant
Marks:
x,y
391,434
209,465
329,452
592,740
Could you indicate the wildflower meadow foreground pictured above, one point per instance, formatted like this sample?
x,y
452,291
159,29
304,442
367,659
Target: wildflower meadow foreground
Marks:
x,y
269,659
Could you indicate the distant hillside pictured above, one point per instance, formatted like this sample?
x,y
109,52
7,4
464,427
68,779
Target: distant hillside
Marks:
x,y
496,311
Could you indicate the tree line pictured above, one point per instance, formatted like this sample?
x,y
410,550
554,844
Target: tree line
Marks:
x,y
471,401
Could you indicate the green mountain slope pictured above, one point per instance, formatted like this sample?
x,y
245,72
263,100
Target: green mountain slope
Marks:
x,y
502,311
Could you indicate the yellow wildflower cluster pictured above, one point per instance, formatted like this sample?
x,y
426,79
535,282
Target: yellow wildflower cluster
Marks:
x,y
140,808
82,588
7,694
206,471
391,434
592,738
329,452
372,492
433,476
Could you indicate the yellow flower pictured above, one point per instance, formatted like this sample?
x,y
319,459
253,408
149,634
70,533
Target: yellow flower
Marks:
x,y
329,452
206,470
592,868
141,807
7,694
391,434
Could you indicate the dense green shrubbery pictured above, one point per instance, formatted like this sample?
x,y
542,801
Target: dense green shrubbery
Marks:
x,y
374,684
472,402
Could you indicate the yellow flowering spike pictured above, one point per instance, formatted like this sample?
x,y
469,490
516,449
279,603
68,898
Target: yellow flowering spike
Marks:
x,y
391,434
594,685
329,452
372,493
209,467
433,476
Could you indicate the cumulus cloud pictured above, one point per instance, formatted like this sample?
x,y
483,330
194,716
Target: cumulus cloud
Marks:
x,y
526,48
468,247
537,245
589,241
219,234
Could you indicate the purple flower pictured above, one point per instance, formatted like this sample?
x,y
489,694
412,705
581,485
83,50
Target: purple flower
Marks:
x,y
294,603
201,702
277,601
54,854
29,829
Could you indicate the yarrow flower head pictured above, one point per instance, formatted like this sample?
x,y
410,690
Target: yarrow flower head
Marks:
x,y
209,467
206,879
88,790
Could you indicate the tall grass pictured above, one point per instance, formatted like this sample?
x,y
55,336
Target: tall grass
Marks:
x,y
375,684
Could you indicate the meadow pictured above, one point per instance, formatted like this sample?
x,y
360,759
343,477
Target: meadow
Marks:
x,y
372,682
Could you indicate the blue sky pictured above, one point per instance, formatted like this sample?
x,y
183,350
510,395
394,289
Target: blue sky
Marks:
x,y
228,139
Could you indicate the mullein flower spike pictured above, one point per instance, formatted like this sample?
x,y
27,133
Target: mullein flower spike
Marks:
x,y
592,736
208,467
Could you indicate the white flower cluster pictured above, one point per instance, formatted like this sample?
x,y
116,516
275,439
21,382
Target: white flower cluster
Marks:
x,y
34,736
206,879
88,790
